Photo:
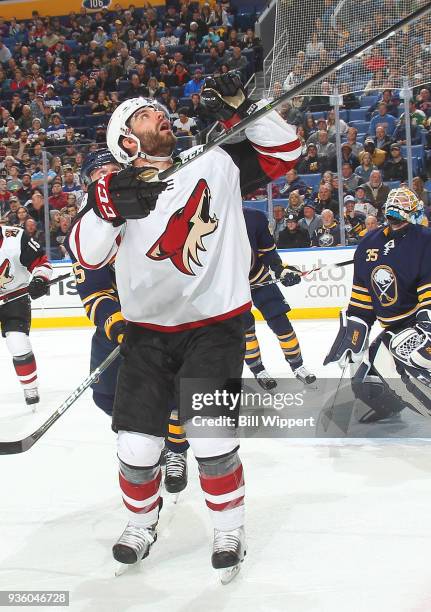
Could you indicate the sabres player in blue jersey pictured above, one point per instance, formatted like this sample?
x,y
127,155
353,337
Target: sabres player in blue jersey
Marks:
x,y
392,285
271,303
98,292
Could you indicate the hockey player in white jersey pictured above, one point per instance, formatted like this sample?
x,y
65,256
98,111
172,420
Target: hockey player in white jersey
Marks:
x,y
21,259
182,265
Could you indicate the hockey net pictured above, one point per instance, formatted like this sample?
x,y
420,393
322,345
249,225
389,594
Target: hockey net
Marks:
x,y
310,36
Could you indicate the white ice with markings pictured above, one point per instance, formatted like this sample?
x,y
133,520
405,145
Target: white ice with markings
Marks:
x,y
334,526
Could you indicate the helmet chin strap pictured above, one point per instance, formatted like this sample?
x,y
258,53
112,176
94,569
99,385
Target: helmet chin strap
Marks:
x,y
142,155
153,158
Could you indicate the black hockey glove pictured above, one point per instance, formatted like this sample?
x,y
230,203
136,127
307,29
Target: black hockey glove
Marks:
x,y
116,328
37,287
125,195
350,343
288,279
223,98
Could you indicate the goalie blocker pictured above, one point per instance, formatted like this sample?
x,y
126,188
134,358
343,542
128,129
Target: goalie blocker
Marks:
x,y
350,343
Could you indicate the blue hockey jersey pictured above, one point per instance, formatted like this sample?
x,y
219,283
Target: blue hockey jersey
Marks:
x,y
392,275
263,250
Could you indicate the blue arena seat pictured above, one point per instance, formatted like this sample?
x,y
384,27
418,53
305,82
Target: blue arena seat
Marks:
x,y
358,114
261,205
311,180
367,101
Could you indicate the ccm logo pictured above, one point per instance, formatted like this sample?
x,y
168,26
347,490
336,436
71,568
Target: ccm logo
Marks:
x,y
104,200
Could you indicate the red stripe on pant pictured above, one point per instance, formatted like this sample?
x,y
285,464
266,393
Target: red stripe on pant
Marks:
x,y
141,492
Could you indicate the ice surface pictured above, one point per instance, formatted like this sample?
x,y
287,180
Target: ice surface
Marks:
x,y
333,526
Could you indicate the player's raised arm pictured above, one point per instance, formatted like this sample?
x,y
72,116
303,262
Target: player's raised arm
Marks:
x,y
33,257
271,147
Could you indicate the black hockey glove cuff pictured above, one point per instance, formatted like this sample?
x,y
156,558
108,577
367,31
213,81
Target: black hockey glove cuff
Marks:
x,y
125,195
37,287
116,327
223,98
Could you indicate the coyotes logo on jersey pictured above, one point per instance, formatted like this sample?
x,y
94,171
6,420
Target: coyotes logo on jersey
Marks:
x,y
182,238
5,276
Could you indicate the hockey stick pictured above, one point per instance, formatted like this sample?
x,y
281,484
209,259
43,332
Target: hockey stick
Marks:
x,y
14,295
292,93
20,446
341,264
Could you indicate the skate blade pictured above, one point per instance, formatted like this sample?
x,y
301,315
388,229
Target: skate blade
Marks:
x,y
121,568
227,574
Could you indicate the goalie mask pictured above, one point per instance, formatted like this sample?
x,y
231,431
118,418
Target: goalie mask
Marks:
x,y
403,205
119,127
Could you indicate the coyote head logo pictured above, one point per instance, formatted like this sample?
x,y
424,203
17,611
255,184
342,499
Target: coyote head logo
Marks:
x,y
182,239
5,276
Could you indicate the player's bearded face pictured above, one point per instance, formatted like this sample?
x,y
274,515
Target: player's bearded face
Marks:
x,y
154,132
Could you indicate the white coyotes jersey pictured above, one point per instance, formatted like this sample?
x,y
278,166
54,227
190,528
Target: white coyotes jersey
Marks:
x,y
13,273
188,261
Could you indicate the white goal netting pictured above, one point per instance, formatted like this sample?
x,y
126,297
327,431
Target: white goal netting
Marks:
x,y
309,36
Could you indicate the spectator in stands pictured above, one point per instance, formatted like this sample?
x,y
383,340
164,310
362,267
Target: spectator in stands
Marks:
x,y
371,224
194,86
321,127
5,196
423,101
11,216
56,132
70,185
323,199
237,61
24,193
392,102
293,236
15,107
58,199
184,125
395,168
376,192
399,134
310,126
328,235
331,127
353,221
350,180
347,156
382,140
5,54
311,221
295,204
311,164
135,89
351,139
293,183
35,207
14,183
382,118
325,148
419,189
280,221
364,170
51,99
378,156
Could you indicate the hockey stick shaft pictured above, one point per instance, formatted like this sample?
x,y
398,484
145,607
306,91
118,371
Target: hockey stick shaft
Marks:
x,y
295,91
340,264
14,295
20,446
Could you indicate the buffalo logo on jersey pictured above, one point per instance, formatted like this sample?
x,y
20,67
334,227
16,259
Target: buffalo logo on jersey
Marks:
x,y
182,238
5,276
385,285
